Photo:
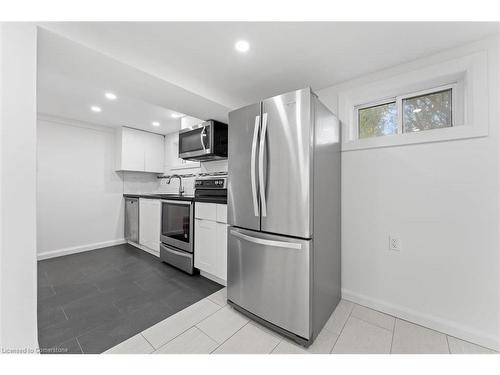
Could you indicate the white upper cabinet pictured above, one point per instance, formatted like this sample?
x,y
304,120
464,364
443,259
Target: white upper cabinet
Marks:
x,y
130,150
139,151
154,153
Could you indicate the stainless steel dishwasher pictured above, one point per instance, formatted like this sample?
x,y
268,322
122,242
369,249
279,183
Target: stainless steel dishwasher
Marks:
x,y
132,219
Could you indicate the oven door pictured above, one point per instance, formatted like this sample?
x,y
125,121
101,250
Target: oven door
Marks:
x,y
177,224
195,141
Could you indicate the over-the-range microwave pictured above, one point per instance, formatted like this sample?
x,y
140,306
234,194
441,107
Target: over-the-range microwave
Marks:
x,y
206,141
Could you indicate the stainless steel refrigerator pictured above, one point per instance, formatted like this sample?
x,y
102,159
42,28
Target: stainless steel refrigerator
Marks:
x,y
284,213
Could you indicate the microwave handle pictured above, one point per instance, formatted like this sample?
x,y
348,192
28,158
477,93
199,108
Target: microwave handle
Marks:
x,y
201,138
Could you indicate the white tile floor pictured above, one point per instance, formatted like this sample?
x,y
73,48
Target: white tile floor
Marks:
x,y
211,326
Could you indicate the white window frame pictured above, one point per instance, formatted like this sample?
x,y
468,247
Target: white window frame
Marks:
x,y
467,76
369,105
457,107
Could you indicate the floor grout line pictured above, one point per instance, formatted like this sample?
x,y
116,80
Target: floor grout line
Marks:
x,y
76,338
373,324
64,312
230,337
144,337
279,342
194,325
343,326
392,338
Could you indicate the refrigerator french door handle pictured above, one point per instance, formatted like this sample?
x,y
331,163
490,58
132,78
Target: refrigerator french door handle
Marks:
x,y
252,167
261,165
261,241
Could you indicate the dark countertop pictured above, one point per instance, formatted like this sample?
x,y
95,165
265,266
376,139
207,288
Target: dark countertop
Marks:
x,y
190,198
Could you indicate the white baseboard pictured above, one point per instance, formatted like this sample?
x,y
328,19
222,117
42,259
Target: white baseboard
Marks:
x,y
213,278
78,249
450,328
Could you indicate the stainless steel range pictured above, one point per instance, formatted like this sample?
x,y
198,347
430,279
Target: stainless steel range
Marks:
x,y
177,237
177,220
211,187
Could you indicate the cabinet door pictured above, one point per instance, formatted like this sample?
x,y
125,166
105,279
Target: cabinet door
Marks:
x,y
205,250
221,247
149,223
154,153
132,153
221,213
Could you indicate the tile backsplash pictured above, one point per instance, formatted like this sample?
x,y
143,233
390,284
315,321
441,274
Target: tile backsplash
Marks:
x,y
147,183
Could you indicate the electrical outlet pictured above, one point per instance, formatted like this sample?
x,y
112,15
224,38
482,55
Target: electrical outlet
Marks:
x,y
394,244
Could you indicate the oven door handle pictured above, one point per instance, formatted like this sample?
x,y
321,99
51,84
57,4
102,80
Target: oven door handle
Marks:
x,y
187,203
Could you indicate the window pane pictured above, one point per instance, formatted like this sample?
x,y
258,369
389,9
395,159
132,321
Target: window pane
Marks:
x,y
378,120
431,111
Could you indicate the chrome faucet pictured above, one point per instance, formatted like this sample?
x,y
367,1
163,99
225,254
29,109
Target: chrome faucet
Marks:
x,y
181,189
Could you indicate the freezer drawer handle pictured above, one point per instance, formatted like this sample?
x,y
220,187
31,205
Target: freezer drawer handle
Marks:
x,y
261,165
252,166
261,241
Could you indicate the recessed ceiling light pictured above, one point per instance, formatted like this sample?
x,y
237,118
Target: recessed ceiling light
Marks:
x,y
95,108
110,96
156,123
416,110
177,115
242,46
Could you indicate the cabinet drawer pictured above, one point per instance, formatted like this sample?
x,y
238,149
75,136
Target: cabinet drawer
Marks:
x,y
207,211
221,213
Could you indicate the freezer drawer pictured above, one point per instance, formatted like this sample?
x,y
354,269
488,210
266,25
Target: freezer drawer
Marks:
x,y
270,277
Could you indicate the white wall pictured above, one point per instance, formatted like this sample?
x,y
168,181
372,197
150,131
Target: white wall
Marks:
x,y
442,200
139,182
80,204
18,294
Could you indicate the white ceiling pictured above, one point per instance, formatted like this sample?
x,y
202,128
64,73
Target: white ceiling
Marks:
x,y
72,78
70,98
199,57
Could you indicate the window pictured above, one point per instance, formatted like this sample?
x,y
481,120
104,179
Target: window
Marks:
x,y
429,111
415,112
378,120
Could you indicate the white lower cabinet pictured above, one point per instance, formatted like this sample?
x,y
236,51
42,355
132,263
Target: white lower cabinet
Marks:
x,y
205,245
150,224
210,245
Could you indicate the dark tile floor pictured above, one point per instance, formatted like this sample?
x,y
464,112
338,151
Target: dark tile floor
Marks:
x,y
91,301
